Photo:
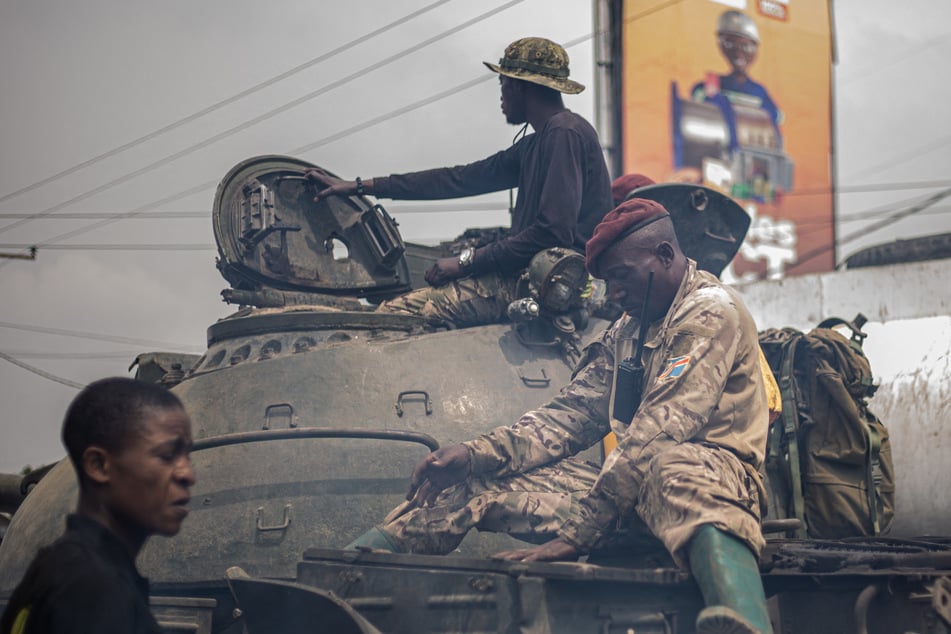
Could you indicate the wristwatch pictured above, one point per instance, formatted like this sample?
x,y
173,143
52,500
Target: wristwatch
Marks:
x,y
465,257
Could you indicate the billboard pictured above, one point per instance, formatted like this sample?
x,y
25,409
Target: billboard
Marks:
x,y
736,94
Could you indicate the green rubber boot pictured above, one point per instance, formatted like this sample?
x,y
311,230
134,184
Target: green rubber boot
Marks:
x,y
728,575
373,539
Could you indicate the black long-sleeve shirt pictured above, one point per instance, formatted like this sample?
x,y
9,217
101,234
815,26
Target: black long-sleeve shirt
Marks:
x,y
86,582
563,190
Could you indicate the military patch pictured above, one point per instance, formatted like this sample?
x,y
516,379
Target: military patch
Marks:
x,y
674,368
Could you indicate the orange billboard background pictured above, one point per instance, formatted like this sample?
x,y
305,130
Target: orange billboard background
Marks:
x,y
669,51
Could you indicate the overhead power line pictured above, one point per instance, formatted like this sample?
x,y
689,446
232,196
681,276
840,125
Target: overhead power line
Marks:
x,y
27,217
862,188
251,90
176,215
904,213
224,102
130,214
95,215
212,183
71,356
117,247
880,66
804,227
39,372
886,209
100,337
914,209
898,159
143,210
651,10
387,116
891,187
263,117
866,216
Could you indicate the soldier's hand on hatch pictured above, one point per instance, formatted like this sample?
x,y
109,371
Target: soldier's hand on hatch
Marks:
x,y
329,185
441,469
443,271
555,550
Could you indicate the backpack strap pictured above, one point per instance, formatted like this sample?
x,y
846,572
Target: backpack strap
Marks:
x,y
855,342
855,326
874,476
790,431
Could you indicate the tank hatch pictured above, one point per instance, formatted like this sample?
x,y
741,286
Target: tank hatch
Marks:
x,y
271,236
710,226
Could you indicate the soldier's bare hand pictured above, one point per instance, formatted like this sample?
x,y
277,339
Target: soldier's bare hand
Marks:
x,y
442,468
329,185
555,550
443,271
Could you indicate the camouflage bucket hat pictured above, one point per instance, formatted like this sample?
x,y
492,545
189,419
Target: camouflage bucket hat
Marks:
x,y
539,61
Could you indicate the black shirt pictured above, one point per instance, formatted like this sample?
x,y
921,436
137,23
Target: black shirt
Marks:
x,y
84,582
563,190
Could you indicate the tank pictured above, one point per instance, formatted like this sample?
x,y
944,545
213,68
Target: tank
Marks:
x,y
310,410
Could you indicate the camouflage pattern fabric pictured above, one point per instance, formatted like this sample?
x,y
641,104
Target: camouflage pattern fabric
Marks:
x,y
530,506
695,484
703,384
539,61
462,303
685,490
692,455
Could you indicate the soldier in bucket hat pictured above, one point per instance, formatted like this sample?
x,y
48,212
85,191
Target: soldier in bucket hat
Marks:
x,y
677,378
559,170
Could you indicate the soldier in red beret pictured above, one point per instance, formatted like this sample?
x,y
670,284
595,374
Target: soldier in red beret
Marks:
x,y
624,186
677,379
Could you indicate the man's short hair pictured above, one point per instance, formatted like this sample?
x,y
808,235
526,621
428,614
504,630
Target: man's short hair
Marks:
x,y
107,412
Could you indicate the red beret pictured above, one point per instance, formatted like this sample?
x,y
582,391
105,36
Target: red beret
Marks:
x,y
624,185
630,216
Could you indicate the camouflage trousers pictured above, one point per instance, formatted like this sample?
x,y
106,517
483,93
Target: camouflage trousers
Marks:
x,y
464,302
686,487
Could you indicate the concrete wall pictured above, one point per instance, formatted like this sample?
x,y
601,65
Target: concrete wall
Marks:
x,y
909,347
883,294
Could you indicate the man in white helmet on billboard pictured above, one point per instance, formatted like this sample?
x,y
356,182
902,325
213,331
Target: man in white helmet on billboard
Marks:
x,y
738,39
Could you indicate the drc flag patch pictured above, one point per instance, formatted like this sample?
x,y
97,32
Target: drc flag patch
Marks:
x,y
674,368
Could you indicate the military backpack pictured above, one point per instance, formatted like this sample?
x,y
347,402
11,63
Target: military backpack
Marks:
x,y
829,461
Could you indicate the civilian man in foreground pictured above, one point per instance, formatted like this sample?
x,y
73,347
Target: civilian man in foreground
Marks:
x,y
692,436
129,442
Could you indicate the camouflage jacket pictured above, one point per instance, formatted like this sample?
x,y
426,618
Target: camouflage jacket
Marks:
x,y
702,383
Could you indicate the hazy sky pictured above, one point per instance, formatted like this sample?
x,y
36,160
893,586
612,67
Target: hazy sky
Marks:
x,y
80,79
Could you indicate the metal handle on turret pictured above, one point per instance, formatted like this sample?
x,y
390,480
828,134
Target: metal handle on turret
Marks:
x,y
277,527
422,393
313,432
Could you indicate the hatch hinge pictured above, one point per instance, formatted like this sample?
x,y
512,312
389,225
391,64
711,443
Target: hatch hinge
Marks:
x,y
381,231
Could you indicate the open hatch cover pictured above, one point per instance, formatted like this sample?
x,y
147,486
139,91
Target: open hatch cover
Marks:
x,y
710,226
271,234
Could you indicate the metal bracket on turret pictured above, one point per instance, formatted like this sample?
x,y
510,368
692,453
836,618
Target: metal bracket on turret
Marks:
x,y
259,218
